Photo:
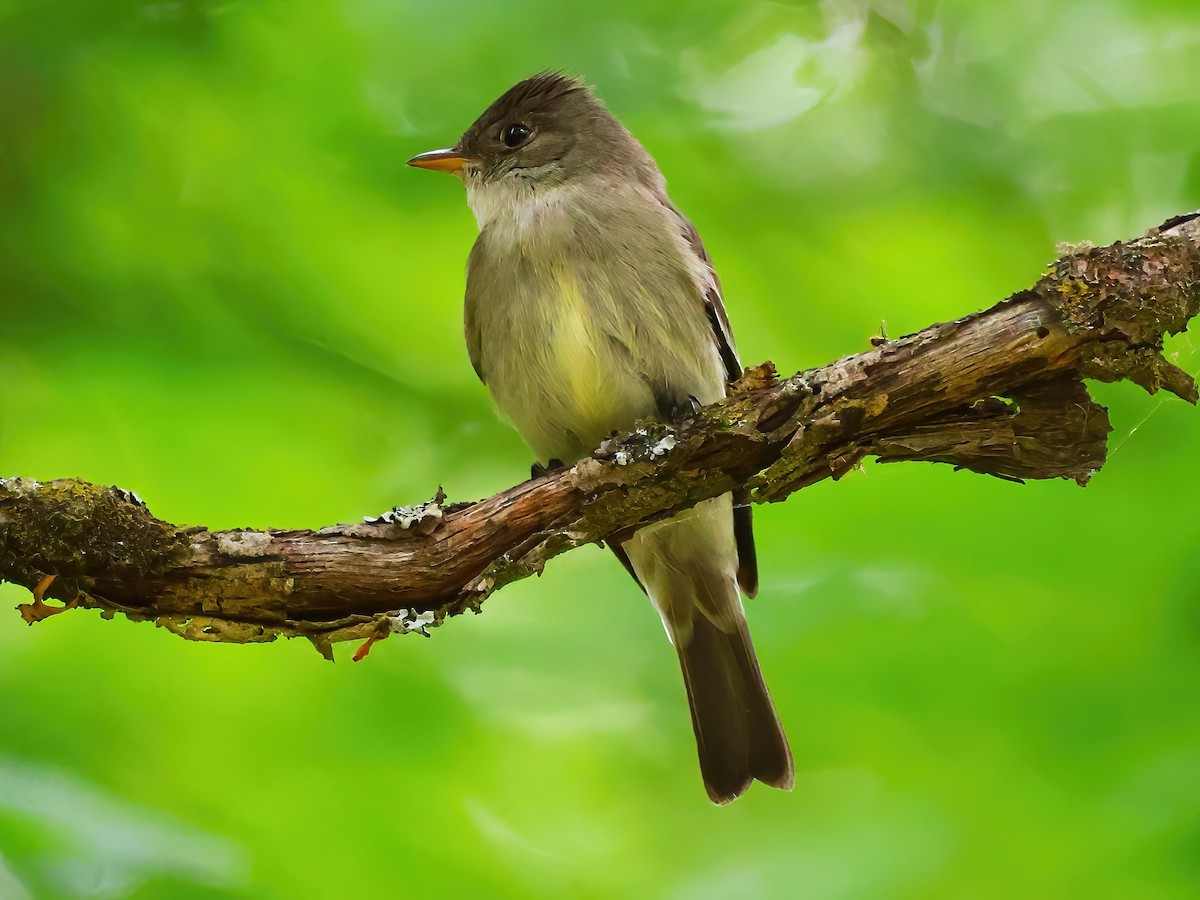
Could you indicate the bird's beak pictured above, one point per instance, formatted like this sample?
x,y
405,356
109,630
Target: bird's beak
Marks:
x,y
450,160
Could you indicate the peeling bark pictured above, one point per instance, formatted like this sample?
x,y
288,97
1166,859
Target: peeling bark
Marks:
x,y
999,392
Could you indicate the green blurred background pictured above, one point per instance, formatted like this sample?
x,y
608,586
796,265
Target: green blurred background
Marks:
x,y
221,287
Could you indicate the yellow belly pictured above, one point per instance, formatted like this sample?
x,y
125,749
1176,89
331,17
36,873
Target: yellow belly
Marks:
x,y
566,391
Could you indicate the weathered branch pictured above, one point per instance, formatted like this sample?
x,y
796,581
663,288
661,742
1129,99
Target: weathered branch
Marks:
x,y
998,392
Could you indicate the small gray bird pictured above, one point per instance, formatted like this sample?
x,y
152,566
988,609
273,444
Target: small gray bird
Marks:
x,y
591,303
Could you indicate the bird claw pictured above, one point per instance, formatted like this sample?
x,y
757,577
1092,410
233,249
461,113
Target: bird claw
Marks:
x,y
686,409
537,470
39,609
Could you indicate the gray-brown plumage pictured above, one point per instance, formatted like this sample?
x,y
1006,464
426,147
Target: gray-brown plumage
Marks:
x,y
592,303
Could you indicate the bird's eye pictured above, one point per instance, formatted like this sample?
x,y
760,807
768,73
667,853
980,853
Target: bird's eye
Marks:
x,y
515,135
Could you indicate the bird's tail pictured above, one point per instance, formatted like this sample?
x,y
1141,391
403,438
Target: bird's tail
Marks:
x,y
688,565
738,734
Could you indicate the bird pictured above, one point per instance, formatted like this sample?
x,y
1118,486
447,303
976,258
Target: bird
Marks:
x,y
591,303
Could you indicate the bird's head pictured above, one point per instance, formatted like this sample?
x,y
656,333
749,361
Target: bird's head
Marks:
x,y
546,130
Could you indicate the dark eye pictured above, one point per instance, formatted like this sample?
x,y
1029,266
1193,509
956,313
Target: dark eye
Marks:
x,y
515,135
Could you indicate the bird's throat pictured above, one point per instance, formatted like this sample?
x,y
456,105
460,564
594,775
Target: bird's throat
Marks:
x,y
513,206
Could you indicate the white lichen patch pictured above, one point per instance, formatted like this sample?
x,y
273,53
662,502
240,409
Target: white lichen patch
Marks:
x,y
408,516
407,620
21,486
642,445
664,446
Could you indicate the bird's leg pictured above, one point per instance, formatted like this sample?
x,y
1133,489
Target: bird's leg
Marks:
x,y
39,609
537,470
685,410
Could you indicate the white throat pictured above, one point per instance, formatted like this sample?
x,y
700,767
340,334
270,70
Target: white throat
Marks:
x,y
510,206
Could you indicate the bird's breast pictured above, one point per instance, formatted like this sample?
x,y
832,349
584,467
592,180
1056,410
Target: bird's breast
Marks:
x,y
556,367
577,329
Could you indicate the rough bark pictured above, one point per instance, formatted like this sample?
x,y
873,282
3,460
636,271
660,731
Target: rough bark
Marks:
x,y
999,392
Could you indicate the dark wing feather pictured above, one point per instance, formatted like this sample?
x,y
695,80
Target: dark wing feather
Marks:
x,y
713,302
743,532
473,350
471,302
618,550
743,516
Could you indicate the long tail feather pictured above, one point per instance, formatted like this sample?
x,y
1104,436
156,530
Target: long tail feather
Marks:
x,y
690,567
738,734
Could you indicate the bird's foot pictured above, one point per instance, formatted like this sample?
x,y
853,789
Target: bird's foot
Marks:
x,y
686,409
537,470
39,609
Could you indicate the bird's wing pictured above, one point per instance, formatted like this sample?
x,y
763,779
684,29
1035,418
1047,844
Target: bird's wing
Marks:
x,y
471,325
472,333
714,304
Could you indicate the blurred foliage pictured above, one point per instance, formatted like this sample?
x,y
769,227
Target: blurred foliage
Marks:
x,y
222,288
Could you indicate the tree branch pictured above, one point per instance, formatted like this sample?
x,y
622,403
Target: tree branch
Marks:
x,y
998,392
